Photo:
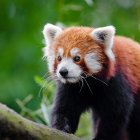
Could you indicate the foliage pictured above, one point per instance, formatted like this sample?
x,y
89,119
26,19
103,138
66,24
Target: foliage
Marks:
x,y
21,43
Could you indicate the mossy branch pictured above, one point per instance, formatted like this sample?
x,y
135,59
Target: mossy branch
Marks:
x,y
15,127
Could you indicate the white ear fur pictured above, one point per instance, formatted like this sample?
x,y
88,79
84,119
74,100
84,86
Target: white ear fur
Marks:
x,y
50,32
105,36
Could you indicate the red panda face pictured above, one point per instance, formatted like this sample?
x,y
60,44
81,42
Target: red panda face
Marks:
x,y
75,52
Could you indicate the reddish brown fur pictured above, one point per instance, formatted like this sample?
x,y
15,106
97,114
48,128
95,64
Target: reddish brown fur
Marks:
x,y
79,37
127,52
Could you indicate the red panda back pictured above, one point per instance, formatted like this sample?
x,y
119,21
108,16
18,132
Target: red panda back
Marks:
x,y
127,53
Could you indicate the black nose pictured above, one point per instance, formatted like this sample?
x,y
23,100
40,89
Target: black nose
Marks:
x,y
63,71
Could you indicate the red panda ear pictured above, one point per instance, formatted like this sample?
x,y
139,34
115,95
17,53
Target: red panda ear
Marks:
x,y
105,36
50,32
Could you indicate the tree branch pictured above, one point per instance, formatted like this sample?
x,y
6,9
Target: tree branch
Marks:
x,y
15,127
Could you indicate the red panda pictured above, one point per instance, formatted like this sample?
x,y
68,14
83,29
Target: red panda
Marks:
x,y
95,69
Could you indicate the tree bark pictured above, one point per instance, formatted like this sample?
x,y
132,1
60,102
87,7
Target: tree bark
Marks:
x,y
15,127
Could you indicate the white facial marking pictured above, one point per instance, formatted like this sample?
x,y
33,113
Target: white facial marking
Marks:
x,y
60,51
50,32
74,51
50,56
92,62
45,52
74,71
105,35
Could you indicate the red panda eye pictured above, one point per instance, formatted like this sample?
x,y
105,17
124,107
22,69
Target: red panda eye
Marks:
x,y
76,58
59,58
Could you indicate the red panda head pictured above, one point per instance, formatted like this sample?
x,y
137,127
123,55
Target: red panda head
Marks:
x,y
78,51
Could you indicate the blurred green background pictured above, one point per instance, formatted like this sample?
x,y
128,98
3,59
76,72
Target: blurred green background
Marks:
x,y
22,86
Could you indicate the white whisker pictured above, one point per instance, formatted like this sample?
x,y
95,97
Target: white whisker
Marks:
x,y
87,84
99,80
89,75
48,80
42,87
82,84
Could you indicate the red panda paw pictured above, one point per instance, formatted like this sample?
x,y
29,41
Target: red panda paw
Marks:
x,y
67,129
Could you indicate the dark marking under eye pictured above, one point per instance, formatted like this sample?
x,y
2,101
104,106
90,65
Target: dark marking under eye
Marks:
x,y
84,67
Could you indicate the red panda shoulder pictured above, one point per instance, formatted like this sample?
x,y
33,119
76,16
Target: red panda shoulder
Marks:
x,y
127,56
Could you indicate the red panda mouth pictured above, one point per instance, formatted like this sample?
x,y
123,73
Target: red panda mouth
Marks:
x,y
71,79
67,78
